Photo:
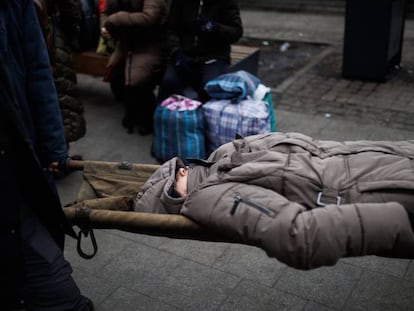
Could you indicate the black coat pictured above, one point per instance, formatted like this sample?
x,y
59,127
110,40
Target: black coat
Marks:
x,y
214,45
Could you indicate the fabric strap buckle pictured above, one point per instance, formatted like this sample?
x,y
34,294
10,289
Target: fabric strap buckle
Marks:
x,y
324,197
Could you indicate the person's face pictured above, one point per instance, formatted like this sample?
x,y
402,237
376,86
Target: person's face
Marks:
x,y
181,182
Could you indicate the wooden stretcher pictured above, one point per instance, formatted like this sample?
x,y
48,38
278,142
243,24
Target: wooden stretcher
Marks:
x,y
105,201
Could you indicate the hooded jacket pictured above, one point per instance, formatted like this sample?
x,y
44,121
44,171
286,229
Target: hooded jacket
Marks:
x,y
306,202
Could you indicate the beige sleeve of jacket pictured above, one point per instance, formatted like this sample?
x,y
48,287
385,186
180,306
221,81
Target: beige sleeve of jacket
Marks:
x,y
301,238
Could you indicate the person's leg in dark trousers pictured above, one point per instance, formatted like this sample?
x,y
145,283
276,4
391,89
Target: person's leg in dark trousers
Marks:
x,y
48,284
146,103
117,81
131,108
208,71
140,104
175,83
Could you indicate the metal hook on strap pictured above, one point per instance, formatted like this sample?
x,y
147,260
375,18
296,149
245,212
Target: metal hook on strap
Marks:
x,y
85,232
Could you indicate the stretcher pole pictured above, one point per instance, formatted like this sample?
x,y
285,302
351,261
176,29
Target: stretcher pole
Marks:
x,y
166,225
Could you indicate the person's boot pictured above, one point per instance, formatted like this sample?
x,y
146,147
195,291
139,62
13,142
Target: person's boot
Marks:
x,y
128,123
129,119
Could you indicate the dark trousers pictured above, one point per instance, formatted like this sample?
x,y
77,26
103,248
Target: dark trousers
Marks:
x,y
190,84
139,100
47,280
139,104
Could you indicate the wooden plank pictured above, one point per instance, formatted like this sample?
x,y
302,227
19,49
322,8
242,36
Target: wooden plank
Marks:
x,y
245,58
89,62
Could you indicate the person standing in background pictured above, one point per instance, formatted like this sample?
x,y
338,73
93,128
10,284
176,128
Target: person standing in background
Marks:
x,y
60,22
136,66
199,37
34,272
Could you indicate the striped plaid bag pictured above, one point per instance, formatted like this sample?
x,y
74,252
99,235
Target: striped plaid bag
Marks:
x,y
240,104
178,129
225,119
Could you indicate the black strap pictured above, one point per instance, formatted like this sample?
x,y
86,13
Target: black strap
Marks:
x,y
85,232
82,221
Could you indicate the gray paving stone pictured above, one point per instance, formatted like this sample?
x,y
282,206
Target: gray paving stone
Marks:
x,y
109,247
202,252
145,239
312,306
250,296
93,286
409,276
329,286
126,300
136,264
288,121
190,286
171,279
250,263
390,266
381,133
376,291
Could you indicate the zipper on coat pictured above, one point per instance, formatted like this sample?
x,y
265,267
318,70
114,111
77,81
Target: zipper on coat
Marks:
x,y
200,10
238,199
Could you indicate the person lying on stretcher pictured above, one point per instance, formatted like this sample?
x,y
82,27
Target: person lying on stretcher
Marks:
x,y
306,202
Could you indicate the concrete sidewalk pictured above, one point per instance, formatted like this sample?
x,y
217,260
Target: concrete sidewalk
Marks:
x,y
140,272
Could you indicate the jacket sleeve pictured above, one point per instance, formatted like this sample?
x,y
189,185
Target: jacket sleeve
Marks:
x,y
174,15
41,91
229,30
153,13
301,238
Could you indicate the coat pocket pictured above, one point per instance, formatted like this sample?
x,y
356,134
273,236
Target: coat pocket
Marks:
x,y
240,201
385,185
401,191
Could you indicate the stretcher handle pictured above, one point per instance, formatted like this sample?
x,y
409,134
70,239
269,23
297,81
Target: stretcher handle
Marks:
x,y
165,225
79,165
75,165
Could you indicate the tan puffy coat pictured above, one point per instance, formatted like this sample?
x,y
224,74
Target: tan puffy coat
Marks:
x,y
138,28
307,203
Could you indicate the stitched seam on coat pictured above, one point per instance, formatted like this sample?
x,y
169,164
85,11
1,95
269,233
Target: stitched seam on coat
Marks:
x,y
283,177
362,230
348,176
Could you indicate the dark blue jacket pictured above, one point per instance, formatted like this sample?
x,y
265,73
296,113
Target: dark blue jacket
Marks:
x,y
23,49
